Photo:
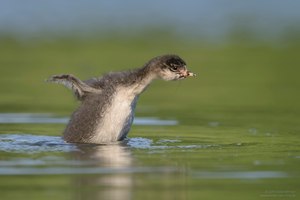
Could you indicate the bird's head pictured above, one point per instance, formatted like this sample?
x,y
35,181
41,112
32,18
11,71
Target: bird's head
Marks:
x,y
170,67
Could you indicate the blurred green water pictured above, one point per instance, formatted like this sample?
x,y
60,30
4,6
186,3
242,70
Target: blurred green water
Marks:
x,y
245,101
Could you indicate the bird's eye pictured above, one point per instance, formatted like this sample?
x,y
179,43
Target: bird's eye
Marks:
x,y
173,68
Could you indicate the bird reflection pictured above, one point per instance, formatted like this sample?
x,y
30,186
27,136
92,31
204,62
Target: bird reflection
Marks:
x,y
113,183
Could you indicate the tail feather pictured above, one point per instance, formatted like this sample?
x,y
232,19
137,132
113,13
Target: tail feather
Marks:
x,y
79,88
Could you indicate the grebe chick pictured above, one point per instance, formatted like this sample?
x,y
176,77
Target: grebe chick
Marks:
x,y
107,103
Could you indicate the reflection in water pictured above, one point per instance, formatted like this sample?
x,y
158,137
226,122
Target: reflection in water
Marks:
x,y
104,186
110,172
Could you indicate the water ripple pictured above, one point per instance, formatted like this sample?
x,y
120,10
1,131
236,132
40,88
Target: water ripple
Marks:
x,y
27,143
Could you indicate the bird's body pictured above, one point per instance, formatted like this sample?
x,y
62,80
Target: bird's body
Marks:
x,y
107,105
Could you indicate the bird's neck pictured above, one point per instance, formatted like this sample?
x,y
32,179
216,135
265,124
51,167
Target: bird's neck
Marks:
x,y
145,77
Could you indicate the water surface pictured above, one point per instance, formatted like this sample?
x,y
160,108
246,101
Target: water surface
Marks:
x,y
163,159
231,133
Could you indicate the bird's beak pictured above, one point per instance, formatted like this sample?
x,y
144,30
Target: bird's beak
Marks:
x,y
190,73
185,73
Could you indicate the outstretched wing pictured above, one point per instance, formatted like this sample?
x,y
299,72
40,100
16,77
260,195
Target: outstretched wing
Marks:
x,y
79,88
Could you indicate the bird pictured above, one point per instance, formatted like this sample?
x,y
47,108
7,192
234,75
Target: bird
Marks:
x,y
107,107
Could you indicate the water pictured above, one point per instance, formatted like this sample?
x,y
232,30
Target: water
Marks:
x,y
230,133
117,155
124,169
31,118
